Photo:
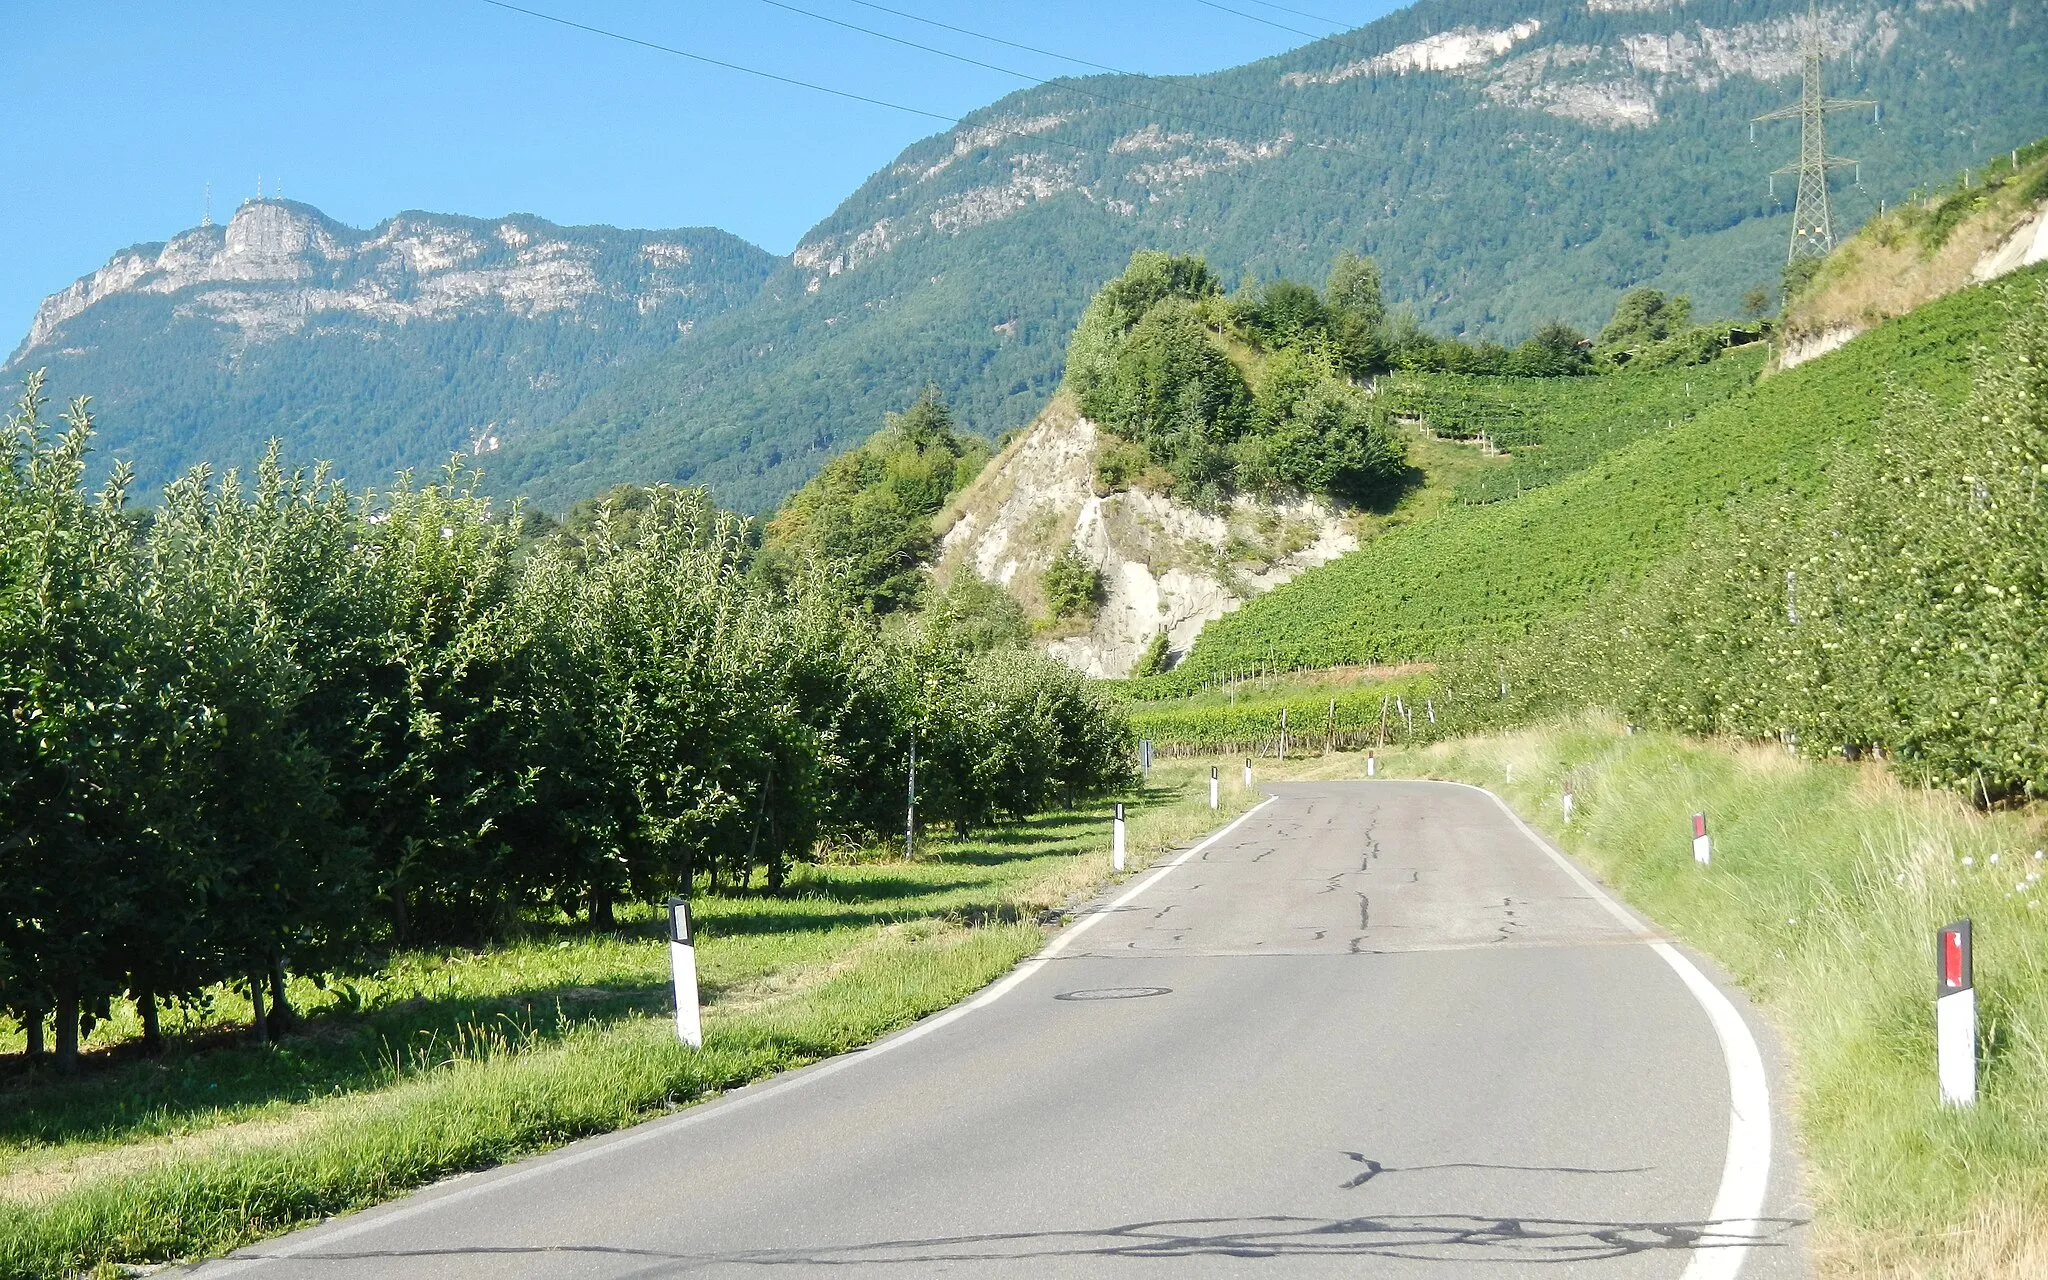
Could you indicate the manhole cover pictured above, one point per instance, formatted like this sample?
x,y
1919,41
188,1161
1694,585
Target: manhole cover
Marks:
x,y
1115,993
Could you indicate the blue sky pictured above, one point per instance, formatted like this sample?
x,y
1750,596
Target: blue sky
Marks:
x,y
368,108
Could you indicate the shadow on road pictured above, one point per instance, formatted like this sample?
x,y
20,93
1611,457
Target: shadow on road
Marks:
x,y
1454,1239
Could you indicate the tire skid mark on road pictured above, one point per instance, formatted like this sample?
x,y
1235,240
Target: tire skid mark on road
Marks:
x,y
1509,925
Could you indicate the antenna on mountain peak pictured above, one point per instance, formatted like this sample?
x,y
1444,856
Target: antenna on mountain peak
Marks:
x,y
259,188
1813,231
206,217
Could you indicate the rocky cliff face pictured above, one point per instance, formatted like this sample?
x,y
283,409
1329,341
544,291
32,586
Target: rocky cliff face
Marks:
x,y
378,349
1540,62
1618,83
1165,565
277,267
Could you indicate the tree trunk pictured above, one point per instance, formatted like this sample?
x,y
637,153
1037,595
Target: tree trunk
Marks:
x,y
283,1018
152,1025
602,917
258,1026
754,841
67,1025
34,1028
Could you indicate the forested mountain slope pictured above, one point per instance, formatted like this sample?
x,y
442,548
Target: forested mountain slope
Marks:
x,y
1505,160
375,349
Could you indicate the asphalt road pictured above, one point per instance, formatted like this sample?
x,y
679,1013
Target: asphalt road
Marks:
x,y
1372,1029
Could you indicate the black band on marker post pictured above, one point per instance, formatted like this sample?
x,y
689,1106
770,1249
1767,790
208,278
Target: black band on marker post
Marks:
x,y
679,921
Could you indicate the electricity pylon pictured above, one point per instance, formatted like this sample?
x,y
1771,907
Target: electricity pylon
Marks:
x,y
1813,230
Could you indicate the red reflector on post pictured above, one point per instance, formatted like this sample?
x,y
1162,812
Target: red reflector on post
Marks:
x,y
1699,825
1955,959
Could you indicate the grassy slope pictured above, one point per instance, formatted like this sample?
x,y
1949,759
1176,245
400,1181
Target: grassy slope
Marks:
x,y
461,1060
1424,587
1923,249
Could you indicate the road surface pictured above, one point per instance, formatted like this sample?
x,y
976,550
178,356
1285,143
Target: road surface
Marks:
x,y
1371,1029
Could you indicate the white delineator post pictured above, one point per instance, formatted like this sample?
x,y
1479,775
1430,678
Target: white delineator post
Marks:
x,y
1955,1016
1567,802
1372,765
1116,848
1214,771
1702,844
1247,772
682,958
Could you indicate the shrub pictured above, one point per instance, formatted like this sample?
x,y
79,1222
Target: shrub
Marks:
x,y
1072,587
1155,657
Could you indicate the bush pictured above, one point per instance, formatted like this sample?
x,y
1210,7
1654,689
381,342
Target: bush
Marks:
x,y
1171,380
1154,659
1072,587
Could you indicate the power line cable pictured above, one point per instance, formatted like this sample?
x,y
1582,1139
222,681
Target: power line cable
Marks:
x,y
1253,17
1069,84
882,102
729,66
908,44
1012,44
782,79
1181,82
1303,13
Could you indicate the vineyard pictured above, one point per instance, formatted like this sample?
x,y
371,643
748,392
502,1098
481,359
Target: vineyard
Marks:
x,y
1895,613
1549,428
1269,716
1479,572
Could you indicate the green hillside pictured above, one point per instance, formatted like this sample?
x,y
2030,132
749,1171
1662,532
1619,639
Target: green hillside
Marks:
x,y
1551,428
1574,152
1479,570
1598,150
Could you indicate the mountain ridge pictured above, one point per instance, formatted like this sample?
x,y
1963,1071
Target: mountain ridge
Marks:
x,y
284,321
1490,202
1508,161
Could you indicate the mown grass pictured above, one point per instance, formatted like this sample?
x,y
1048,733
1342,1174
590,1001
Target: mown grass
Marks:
x,y
1827,884
457,1060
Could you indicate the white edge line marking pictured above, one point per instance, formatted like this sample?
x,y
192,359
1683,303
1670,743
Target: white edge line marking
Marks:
x,y
314,1237
1746,1174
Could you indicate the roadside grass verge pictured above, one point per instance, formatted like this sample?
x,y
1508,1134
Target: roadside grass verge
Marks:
x,y
445,1062
1827,885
